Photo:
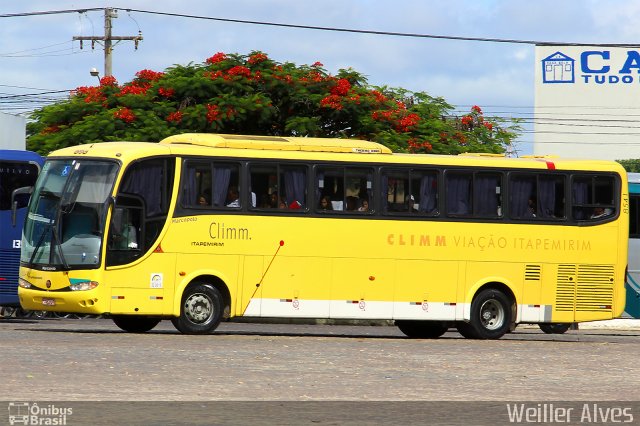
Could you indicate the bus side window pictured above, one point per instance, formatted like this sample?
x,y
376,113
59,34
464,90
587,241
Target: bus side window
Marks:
x,y
458,193
196,184
124,235
346,187
593,197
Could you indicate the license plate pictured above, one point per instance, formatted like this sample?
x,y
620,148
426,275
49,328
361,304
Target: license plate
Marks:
x,y
48,301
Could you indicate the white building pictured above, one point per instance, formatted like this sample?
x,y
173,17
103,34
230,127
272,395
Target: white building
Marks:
x,y
13,131
587,102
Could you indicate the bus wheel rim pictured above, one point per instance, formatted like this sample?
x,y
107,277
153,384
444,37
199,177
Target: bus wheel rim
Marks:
x,y
492,315
198,308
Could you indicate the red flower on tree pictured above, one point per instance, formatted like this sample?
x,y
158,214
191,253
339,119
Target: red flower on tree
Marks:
x,y
341,88
91,94
166,92
124,114
50,129
149,75
416,145
213,113
218,57
257,58
379,96
175,117
239,70
406,123
331,101
108,80
134,89
476,109
212,75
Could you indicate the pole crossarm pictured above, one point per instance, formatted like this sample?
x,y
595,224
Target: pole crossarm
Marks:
x,y
107,39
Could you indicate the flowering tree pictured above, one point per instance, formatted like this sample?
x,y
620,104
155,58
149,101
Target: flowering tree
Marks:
x,y
253,94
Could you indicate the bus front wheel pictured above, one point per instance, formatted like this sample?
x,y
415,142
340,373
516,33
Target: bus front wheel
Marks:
x,y
135,323
490,316
201,310
422,329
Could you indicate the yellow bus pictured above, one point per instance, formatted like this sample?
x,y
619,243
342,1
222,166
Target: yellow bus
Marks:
x,y
201,228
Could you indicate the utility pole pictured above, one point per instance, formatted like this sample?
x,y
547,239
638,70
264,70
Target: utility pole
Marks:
x,y
107,40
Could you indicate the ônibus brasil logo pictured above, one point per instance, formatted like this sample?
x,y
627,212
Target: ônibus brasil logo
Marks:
x,y
30,413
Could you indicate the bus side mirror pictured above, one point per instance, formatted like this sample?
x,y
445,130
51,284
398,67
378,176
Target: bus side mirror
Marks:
x,y
19,199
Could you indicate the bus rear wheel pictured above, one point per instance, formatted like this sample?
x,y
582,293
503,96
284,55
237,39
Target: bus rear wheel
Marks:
x,y
201,310
422,329
135,323
490,316
555,328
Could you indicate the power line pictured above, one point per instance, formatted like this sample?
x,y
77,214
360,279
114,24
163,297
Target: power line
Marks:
x,y
49,12
383,33
332,29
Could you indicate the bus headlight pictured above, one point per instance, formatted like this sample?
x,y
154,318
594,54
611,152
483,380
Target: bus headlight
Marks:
x,y
83,285
24,283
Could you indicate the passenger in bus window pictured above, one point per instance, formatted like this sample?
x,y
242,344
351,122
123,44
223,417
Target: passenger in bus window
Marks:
x,y
265,201
352,203
599,212
274,200
325,203
233,197
364,206
410,203
531,209
202,200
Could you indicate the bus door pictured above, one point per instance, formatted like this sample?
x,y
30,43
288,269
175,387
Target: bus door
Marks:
x,y
139,284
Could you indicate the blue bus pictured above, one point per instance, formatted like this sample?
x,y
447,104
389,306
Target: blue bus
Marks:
x,y
632,307
18,173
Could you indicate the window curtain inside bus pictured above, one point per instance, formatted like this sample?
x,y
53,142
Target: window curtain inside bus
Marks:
x,y
145,179
484,194
294,186
428,191
221,179
384,192
520,191
546,197
580,191
458,188
319,186
189,195
369,190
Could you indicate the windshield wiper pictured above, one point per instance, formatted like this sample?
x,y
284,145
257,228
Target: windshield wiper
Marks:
x,y
40,241
58,244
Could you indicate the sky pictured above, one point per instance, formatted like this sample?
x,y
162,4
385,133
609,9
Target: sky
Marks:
x,y
38,54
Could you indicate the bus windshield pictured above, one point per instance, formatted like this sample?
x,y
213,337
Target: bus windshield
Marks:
x,y
66,217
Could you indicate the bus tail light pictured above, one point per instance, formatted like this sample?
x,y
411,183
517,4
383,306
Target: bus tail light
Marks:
x,y
83,285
